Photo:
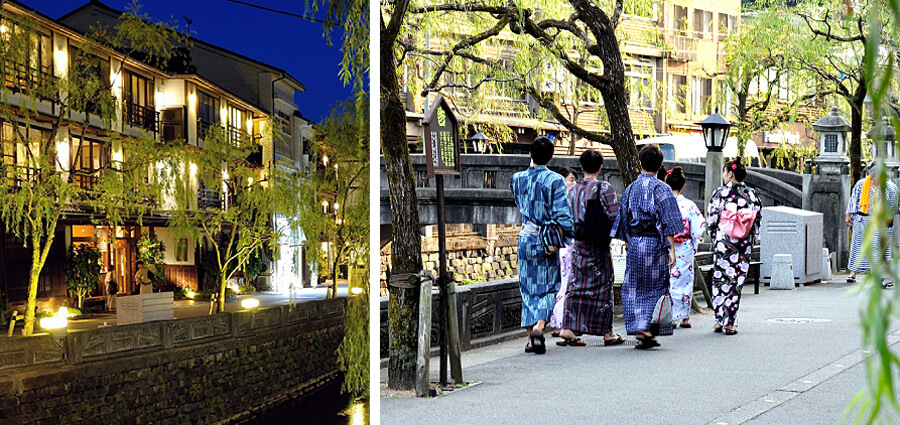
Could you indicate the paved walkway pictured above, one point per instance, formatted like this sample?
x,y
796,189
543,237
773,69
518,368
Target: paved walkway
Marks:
x,y
773,372
188,308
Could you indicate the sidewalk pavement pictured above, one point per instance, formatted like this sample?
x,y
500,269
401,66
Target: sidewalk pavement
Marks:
x,y
775,371
188,308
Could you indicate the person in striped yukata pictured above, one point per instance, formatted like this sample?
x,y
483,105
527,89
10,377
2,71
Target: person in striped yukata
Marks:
x,y
588,303
647,221
865,193
541,198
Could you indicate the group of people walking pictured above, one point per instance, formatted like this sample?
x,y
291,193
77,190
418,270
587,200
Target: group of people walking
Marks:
x,y
565,265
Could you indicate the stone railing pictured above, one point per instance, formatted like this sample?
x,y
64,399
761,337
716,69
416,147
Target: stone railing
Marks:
x,y
214,369
489,312
481,193
82,346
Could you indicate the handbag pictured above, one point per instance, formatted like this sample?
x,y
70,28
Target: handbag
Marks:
x,y
662,313
551,235
737,224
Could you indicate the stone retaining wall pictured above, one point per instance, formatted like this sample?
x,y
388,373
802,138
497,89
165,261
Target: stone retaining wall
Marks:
x,y
471,258
200,370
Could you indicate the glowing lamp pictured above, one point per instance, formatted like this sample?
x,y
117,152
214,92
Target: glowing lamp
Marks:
x,y
356,290
53,323
190,294
250,303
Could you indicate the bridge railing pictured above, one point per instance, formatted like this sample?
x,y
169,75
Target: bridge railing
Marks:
x,y
481,193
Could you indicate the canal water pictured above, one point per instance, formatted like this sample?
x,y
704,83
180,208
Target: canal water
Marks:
x,y
327,406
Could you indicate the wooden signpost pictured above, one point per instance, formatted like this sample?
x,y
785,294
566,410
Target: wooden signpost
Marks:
x,y
442,158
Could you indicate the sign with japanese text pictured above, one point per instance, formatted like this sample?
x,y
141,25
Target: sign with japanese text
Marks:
x,y
441,139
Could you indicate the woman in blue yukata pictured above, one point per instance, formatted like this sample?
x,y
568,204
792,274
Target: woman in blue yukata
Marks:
x,y
542,201
648,220
734,213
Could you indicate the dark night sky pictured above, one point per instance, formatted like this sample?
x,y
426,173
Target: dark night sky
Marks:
x,y
293,44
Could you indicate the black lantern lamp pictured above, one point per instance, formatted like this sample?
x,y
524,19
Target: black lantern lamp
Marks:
x,y
479,142
715,131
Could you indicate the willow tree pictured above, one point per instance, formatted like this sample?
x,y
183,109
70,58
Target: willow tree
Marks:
x,y
475,52
334,203
49,104
558,54
243,195
837,55
760,62
877,401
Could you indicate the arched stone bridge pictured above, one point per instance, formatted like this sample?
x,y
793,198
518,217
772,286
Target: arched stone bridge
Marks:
x,y
481,194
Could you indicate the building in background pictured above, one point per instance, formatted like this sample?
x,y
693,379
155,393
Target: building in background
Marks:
x,y
211,86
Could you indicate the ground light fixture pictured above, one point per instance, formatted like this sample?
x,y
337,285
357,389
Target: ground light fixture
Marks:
x,y
190,294
251,304
57,324
356,290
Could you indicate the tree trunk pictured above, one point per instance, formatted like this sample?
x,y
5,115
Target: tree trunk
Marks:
x,y
334,279
223,280
406,251
614,99
32,292
622,136
39,254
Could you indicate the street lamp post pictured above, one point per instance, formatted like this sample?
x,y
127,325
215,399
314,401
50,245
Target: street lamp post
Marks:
x,y
715,132
479,142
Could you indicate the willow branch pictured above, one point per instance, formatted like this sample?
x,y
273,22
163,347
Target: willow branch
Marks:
x,y
550,106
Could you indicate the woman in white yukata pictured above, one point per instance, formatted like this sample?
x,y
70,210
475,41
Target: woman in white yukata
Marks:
x,y
681,283
565,262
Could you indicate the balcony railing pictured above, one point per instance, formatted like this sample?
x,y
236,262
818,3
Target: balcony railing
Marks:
x,y
19,175
203,127
85,179
210,199
237,136
142,116
26,78
684,48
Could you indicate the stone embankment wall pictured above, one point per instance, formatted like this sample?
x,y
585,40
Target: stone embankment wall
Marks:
x,y
471,257
219,368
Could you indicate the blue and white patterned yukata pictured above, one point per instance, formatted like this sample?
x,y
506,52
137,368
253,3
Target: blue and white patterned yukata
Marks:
x,y
857,262
648,212
541,198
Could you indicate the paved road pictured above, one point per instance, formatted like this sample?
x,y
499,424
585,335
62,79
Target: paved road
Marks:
x,y
772,372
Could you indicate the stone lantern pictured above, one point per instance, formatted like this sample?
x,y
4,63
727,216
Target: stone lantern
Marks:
x,y
828,190
883,146
832,130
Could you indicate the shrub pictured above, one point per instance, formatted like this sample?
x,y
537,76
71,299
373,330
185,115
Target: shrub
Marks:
x,y
82,270
247,289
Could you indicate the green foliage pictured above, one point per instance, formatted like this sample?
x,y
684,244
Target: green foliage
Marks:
x,y
120,189
334,201
253,194
153,253
353,17
253,267
353,353
788,156
878,308
247,289
479,279
82,270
